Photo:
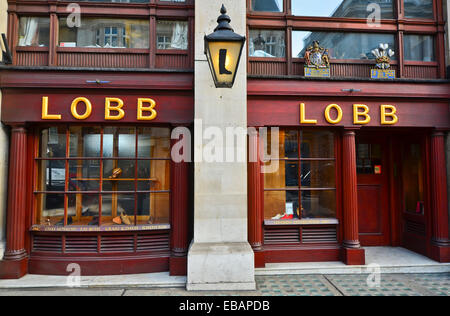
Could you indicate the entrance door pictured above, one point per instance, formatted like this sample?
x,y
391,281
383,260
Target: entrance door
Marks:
x,y
373,193
412,184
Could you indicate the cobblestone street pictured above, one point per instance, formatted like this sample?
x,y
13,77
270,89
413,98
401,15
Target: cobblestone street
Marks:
x,y
285,285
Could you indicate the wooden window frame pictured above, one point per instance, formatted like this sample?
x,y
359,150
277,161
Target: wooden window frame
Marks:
x,y
100,192
299,159
397,26
150,11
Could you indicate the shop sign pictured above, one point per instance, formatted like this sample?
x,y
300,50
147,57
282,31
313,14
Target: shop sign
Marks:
x,y
361,114
81,109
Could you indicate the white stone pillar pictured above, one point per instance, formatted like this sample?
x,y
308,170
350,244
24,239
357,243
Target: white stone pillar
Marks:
x,y
220,257
3,144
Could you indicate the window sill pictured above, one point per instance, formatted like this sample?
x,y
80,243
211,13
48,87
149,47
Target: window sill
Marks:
x,y
102,50
91,229
304,222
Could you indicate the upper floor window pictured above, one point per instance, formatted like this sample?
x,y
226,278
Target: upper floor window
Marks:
x,y
267,5
172,35
341,45
34,31
105,33
343,8
419,47
419,9
267,43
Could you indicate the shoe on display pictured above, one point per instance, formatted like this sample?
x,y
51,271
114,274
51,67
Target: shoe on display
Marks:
x,y
288,216
278,216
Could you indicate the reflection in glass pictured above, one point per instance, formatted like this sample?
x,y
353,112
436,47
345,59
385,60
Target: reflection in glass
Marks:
x,y
419,47
317,144
172,35
266,43
53,143
34,31
52,209
368,156
422,9
154,142
52,175
105,33
119,142
267,5
318,174
343,8
341,45
83,209
319,204
412,179
287,176
84,141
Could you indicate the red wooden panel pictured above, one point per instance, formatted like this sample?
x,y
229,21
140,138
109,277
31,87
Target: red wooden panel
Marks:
x,y
276,68
102,60
26,106
369,209
172,61
277,111
421,72
32,58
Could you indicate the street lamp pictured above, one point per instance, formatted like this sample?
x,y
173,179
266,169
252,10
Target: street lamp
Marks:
x,y
223,49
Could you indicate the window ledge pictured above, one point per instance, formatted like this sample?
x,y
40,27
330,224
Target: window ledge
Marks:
x,y
90,229
304,221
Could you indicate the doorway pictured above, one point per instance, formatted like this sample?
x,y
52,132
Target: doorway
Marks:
x,y
392,197
373,189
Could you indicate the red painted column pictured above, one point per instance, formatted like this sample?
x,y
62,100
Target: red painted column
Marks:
x,y
255,202
352,253
440,246
14,263
179,215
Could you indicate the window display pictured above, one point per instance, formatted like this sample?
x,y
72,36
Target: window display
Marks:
x,y
304,186
103,176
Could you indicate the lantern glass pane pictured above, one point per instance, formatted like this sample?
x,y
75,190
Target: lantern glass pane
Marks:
x,y
224,59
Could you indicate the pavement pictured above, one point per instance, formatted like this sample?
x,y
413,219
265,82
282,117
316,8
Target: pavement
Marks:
x,y
408,284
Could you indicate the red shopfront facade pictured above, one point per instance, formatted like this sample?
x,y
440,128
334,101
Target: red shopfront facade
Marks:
x,y
91,181
361,163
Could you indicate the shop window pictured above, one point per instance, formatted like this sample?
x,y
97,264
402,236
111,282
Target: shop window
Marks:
x,y
412,179
34,31
422,9
267,43
103,176
304,186
267,5
343,8
172,35
419,48
105,33
342,45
